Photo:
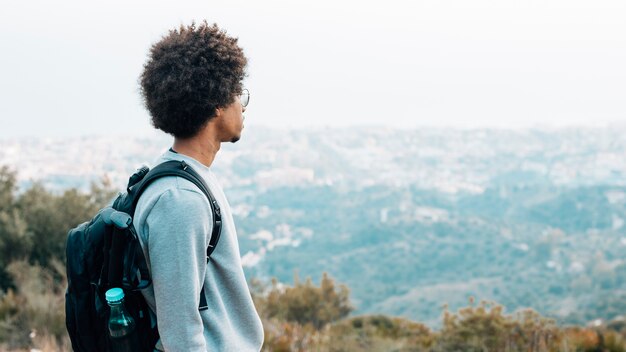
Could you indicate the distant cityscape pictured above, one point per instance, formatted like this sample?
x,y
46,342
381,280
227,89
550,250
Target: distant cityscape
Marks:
x,y
450,161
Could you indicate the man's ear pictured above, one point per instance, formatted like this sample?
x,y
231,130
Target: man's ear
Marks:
x,y
218,112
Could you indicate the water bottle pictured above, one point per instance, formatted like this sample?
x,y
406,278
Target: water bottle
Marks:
x,y
122,332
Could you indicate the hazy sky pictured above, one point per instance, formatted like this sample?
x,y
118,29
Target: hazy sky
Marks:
x,y
71,67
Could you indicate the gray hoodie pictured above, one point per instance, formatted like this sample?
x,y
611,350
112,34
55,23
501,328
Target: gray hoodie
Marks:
x,y
174,221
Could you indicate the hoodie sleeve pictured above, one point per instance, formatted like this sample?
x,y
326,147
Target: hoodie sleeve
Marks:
x,y
179,225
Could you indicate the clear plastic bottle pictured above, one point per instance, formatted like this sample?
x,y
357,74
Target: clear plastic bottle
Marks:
x,y
122,328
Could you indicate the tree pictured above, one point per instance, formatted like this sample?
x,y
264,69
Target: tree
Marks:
x,y
34,225
486,328
306,303
14,241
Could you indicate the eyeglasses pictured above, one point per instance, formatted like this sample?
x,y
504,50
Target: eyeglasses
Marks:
x,y
244,97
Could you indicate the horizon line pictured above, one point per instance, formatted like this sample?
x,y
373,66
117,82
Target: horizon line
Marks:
x,y
153,133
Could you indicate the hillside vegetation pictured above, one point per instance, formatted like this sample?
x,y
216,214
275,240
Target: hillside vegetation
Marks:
x,y
301,316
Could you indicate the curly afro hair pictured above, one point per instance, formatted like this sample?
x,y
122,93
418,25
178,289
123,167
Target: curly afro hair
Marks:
x,y
190,73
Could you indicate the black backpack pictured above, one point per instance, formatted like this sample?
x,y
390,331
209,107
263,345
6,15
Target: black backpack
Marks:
x,y
105,252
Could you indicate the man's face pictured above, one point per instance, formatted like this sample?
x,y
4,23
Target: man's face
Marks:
x,y
231,121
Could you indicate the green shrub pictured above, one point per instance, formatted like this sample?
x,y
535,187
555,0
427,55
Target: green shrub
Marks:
x,y
305,303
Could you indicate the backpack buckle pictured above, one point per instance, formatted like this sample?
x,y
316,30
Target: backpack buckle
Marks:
x,y
218,211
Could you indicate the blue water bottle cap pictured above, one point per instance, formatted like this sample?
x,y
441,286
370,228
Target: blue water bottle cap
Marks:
x,y
114,295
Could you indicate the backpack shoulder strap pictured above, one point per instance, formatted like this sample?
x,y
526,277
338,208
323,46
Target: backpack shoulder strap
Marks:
x,y
182,169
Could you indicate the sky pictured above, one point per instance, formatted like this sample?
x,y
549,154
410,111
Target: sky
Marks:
x,y
71,68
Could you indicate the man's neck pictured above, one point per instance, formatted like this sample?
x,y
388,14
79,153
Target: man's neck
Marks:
x,y
201,149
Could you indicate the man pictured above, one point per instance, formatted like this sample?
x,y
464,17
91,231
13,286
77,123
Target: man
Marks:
x,y
192,87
